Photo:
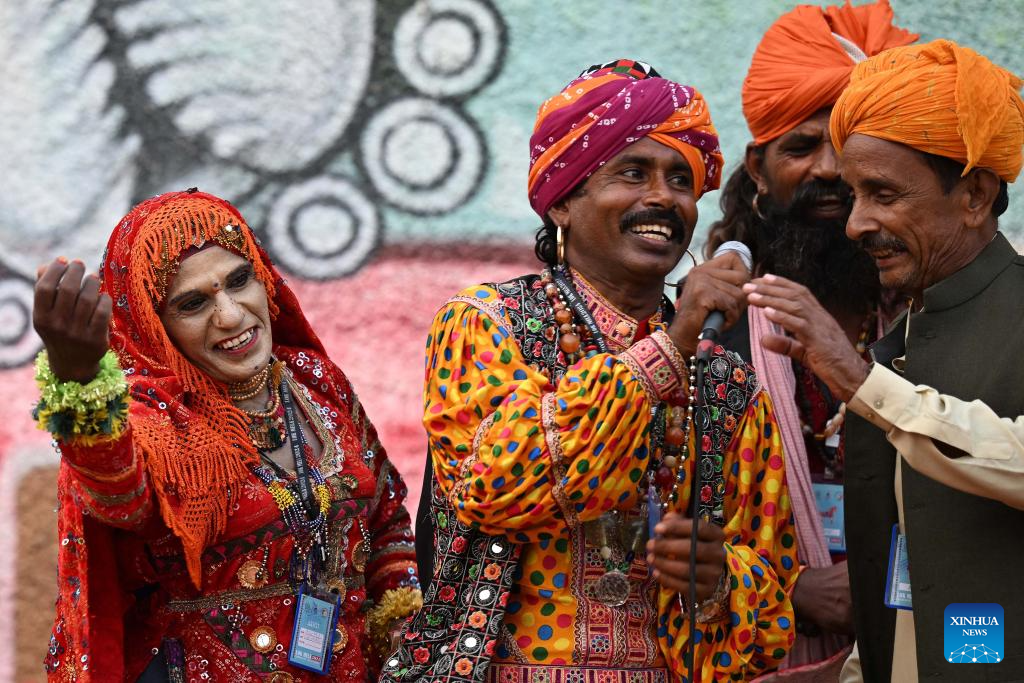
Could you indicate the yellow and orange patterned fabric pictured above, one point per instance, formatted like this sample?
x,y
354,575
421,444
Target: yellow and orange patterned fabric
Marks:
x,y
533,461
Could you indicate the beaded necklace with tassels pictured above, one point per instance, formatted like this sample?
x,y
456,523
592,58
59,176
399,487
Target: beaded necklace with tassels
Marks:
x,y
268,433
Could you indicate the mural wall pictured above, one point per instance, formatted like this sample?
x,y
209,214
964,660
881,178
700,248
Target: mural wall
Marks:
x,y
378,148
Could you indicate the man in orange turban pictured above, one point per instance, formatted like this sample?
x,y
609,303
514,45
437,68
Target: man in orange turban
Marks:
x,y
930,136
789,205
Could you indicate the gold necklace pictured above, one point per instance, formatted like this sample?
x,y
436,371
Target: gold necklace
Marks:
x,y
266,426
243,391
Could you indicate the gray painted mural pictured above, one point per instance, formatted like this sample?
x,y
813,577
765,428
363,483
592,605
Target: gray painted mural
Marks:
x,y
338,126
310,116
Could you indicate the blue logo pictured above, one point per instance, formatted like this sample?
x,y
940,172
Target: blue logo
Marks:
x,y
973,633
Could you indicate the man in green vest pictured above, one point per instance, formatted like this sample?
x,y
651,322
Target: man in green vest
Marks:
x,y
929,137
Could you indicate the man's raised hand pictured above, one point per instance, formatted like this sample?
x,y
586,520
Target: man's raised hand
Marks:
x,y
815,338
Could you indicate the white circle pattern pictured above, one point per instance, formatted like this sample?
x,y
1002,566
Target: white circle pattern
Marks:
x,y
322,228
433,172
447,47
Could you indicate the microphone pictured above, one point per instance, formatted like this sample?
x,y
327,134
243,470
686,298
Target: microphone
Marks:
x,y
713,323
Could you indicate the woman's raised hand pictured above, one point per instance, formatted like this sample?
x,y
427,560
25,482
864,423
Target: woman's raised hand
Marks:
x,y
72,318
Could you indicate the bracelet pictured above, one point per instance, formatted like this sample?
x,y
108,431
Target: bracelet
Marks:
x,y
716,608
87,414
397,603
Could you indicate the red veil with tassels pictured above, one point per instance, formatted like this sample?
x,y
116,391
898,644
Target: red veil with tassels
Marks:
x,y
189,440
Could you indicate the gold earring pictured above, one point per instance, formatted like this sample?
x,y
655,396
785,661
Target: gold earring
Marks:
x,y
560,245
679,284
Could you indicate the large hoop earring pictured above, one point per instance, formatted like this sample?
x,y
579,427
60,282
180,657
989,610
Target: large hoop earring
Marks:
x,y
757,210
560,245
692,257
679,284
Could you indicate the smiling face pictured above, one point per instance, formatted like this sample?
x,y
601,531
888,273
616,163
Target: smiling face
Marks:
x,y
217,314
633,218
917,233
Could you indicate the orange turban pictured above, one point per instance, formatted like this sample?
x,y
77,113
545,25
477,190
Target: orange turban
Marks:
x,y
805,58
939,98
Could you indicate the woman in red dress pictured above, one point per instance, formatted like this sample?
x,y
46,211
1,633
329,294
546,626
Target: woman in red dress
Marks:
x,y
227,512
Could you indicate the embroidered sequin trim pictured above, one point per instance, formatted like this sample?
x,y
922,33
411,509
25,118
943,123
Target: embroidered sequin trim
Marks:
x,y
558,464
654,367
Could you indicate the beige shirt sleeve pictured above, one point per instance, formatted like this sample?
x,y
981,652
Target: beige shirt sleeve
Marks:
x,y
915,417
852,672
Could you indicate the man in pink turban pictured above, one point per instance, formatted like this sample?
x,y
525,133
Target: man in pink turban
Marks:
x,y
561,426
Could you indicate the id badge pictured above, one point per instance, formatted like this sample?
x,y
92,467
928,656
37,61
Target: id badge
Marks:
x,y
897,582
313,634
829,498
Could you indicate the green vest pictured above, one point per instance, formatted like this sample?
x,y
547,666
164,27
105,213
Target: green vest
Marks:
x,y
967,342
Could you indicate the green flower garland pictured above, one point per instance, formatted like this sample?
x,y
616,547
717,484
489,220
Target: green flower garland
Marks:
x,y
84,413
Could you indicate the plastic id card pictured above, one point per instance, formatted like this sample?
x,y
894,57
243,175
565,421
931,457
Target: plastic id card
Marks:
x,y
313,635
829,498
897,582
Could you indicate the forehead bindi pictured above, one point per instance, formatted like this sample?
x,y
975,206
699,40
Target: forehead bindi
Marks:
x,y
206,270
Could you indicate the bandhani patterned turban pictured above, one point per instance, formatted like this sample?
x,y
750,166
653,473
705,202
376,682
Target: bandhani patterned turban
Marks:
x,y
608,108
939,98
805,58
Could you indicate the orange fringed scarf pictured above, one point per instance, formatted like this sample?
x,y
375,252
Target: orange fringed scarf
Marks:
x,y
197,453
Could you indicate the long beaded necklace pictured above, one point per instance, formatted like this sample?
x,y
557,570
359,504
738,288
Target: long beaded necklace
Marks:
x,y
308,526
670,439
306,531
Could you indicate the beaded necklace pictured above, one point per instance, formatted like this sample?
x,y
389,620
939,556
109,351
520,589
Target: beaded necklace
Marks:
x,y
817,407
308,527
579,336
243,391
266,427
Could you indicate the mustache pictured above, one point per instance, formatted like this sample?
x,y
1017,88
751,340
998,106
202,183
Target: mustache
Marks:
x,y
817,191
879,242
665,217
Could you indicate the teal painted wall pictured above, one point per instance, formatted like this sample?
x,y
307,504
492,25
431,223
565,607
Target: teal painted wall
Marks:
x,y
707,44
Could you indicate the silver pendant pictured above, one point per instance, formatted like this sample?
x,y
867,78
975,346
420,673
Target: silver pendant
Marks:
x,y
612,589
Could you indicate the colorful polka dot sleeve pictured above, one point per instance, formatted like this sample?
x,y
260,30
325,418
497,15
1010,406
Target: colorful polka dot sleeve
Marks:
x,y
760,558
518,456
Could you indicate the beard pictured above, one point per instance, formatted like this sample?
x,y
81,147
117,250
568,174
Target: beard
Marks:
x,y
816,252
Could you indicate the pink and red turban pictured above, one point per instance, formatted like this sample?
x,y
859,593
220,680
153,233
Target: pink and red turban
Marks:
x,y
608,108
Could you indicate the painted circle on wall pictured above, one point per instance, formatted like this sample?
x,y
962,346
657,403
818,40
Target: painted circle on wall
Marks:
x,y
18,341
422,156
322,228
447,47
